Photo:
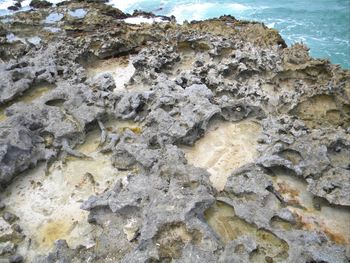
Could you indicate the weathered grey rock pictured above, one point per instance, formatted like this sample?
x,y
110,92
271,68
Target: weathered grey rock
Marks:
x,y
5,231
7,248
238,250
333,185
16,259
9,217
186,78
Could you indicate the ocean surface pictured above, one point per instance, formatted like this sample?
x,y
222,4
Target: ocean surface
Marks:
x,y
324,25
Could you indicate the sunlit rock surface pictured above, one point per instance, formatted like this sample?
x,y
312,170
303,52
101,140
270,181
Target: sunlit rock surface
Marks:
x,y
129,138
225,148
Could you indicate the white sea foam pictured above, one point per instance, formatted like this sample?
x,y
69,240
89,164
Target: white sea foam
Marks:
x,y
199,11
26,3
139,20
238,7
191,11
271,25
5,4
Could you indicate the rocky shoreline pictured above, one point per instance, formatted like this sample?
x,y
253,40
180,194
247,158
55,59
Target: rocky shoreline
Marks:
x,y
210,141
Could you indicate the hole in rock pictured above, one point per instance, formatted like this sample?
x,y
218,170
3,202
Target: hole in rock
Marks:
x,y
119,67
33,93
279,223
25,36
310,212
171,239
52,29
320,110
35,40
53,18
222,219
226,52
288,77
78,13
11,38
339,155
2,115
275,90
224,148
55,102
291,155
48,205
189,53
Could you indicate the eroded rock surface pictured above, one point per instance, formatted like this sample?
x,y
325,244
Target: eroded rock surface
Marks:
x,y
210,141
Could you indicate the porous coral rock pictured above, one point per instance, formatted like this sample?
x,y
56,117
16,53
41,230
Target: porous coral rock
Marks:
x,y
188,80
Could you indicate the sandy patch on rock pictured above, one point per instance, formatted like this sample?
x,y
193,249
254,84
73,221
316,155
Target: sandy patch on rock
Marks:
x,y
35,92
330,219
49,205
120,68
226,147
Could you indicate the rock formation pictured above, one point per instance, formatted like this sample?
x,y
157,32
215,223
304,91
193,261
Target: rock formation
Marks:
x,y
224,144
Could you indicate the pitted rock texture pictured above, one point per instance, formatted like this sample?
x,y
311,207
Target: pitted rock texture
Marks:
x,y
239,153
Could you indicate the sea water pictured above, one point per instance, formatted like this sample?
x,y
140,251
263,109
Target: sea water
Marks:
x,y
324,25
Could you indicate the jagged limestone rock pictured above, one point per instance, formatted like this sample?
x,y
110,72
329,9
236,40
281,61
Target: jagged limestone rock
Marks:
x,y
239,150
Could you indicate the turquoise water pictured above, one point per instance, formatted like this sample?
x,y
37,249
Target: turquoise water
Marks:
x,y
324,25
